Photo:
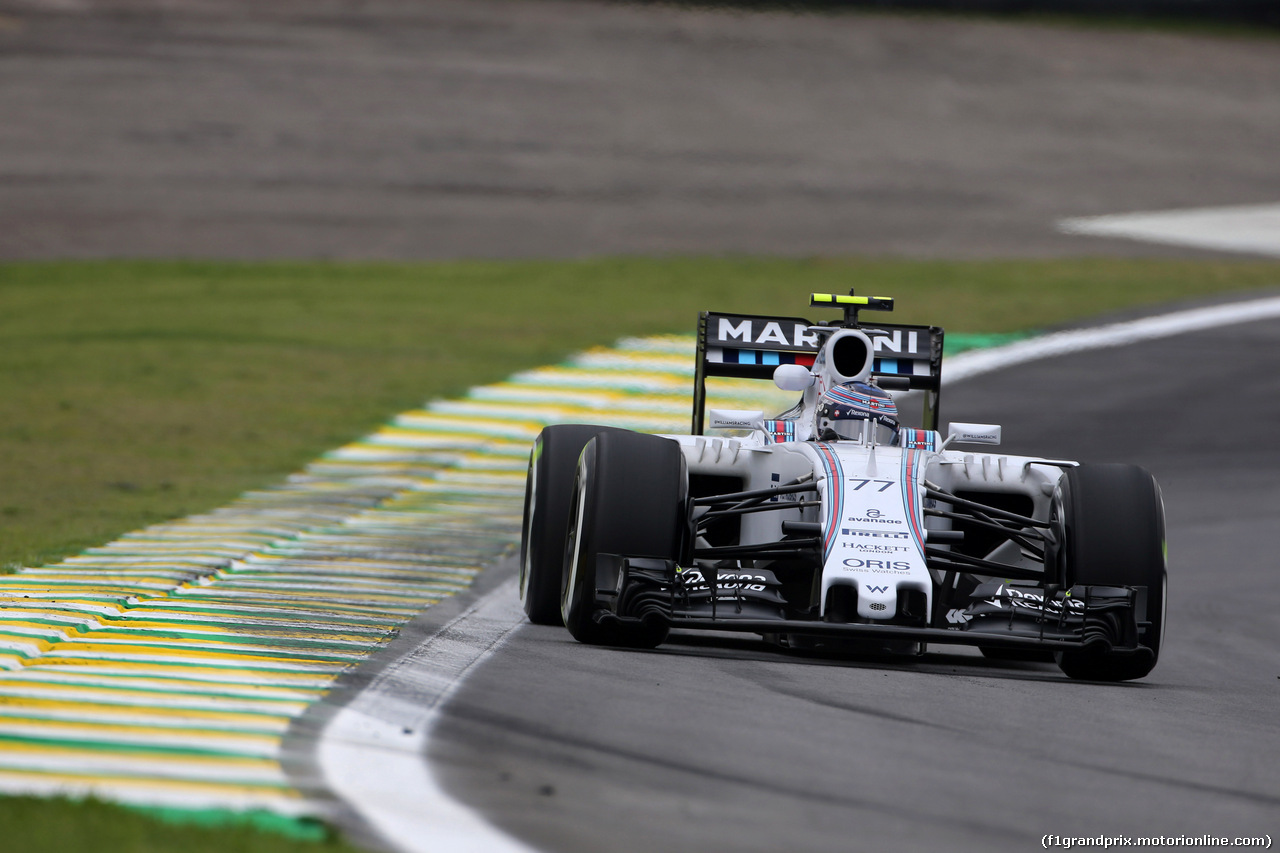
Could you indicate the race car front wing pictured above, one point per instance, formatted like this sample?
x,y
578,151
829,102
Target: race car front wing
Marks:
x,y
999,615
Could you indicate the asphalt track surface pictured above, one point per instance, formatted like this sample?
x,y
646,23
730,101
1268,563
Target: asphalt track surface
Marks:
x,y
726,744
552,128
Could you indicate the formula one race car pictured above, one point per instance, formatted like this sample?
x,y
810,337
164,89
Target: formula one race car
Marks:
x,y
833,526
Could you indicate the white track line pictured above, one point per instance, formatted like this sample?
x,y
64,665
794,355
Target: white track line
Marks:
x,y
373,753
1246,228
977,362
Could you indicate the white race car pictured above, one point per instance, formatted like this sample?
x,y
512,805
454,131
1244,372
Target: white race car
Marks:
x,y
833,526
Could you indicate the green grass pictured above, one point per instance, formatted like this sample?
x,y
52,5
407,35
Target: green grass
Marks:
x,y
136,392
36,825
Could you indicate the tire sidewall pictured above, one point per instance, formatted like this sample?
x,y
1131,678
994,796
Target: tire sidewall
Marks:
x,y
1113,534
532,488
631,500
552,472
578,579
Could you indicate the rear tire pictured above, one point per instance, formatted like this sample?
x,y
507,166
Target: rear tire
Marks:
x,y
630,499
1112,529
553,464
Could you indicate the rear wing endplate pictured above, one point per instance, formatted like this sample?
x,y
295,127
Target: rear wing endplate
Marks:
x,y
752,346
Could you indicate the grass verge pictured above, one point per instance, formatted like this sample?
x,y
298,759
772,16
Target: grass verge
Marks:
x,y
36,825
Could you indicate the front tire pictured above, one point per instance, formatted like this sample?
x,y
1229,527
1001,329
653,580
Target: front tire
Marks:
x,y
553,465
1112,531
630,500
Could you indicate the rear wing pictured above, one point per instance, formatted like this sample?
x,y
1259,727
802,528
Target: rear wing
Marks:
x,y
752,346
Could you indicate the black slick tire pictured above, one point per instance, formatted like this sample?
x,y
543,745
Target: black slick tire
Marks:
x,y
553,465
630,499
1112,527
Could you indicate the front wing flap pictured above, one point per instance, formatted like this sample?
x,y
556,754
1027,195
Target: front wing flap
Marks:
x,y
999,615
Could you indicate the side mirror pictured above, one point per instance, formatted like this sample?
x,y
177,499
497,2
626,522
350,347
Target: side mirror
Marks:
x,y
792,377
973,434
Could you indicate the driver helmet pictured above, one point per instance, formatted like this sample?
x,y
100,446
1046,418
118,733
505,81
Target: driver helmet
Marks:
x,y
843,409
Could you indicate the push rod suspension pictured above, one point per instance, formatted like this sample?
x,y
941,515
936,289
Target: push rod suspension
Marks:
x,y
940,559
939,494
736,497
1020,537
763,548
766,507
